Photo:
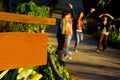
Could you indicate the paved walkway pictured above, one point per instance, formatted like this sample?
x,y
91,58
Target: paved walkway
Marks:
x,y
86,64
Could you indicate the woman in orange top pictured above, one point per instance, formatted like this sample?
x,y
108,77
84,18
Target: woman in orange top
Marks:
x,y
79,30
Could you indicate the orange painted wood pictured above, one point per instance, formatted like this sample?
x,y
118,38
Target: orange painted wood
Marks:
x,y
5,16
21,49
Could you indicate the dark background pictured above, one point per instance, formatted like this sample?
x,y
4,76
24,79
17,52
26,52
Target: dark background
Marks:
x,y
112,8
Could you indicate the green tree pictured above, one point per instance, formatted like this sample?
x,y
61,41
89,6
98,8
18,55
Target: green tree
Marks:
x,y
103,3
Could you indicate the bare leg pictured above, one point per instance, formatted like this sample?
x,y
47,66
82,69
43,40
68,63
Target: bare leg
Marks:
x,y
105,42
100,41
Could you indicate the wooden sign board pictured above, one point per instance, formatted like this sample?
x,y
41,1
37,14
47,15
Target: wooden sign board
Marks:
x,y
21,49
12,17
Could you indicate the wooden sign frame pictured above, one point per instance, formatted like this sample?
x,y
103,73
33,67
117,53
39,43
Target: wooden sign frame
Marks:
x,y
12,17
23,49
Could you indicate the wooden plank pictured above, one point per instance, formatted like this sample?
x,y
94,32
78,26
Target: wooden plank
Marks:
x,y
26,19
21,49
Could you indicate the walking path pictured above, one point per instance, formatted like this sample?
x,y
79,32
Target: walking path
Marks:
x,y
86,64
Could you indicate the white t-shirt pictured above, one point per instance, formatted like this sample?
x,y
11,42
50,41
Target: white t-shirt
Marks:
x,y
104,31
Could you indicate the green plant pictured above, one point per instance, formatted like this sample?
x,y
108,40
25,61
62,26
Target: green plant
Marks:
x,y
102,3
61,69
114,35
1,6
30,9
21,74
28,73
43,72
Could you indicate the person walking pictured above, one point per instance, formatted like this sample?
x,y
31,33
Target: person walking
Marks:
x,y
79,25
104,27
64,35
79,30
61,37
67,22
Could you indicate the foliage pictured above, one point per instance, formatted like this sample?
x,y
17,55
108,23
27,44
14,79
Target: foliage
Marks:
x,y
46,72
61,69
28,8
32,9
28,73
102,3
114,35
1,6
38,72
23,74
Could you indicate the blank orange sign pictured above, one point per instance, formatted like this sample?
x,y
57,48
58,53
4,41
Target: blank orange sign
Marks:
x,y
21,49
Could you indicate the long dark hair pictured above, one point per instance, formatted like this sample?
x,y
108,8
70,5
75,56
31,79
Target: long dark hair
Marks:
x,y
79,15
64,13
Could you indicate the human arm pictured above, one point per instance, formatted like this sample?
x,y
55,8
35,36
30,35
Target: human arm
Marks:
x,y
71,7
106,14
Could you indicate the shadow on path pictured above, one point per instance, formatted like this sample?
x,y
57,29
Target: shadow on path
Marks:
x,y
87,64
